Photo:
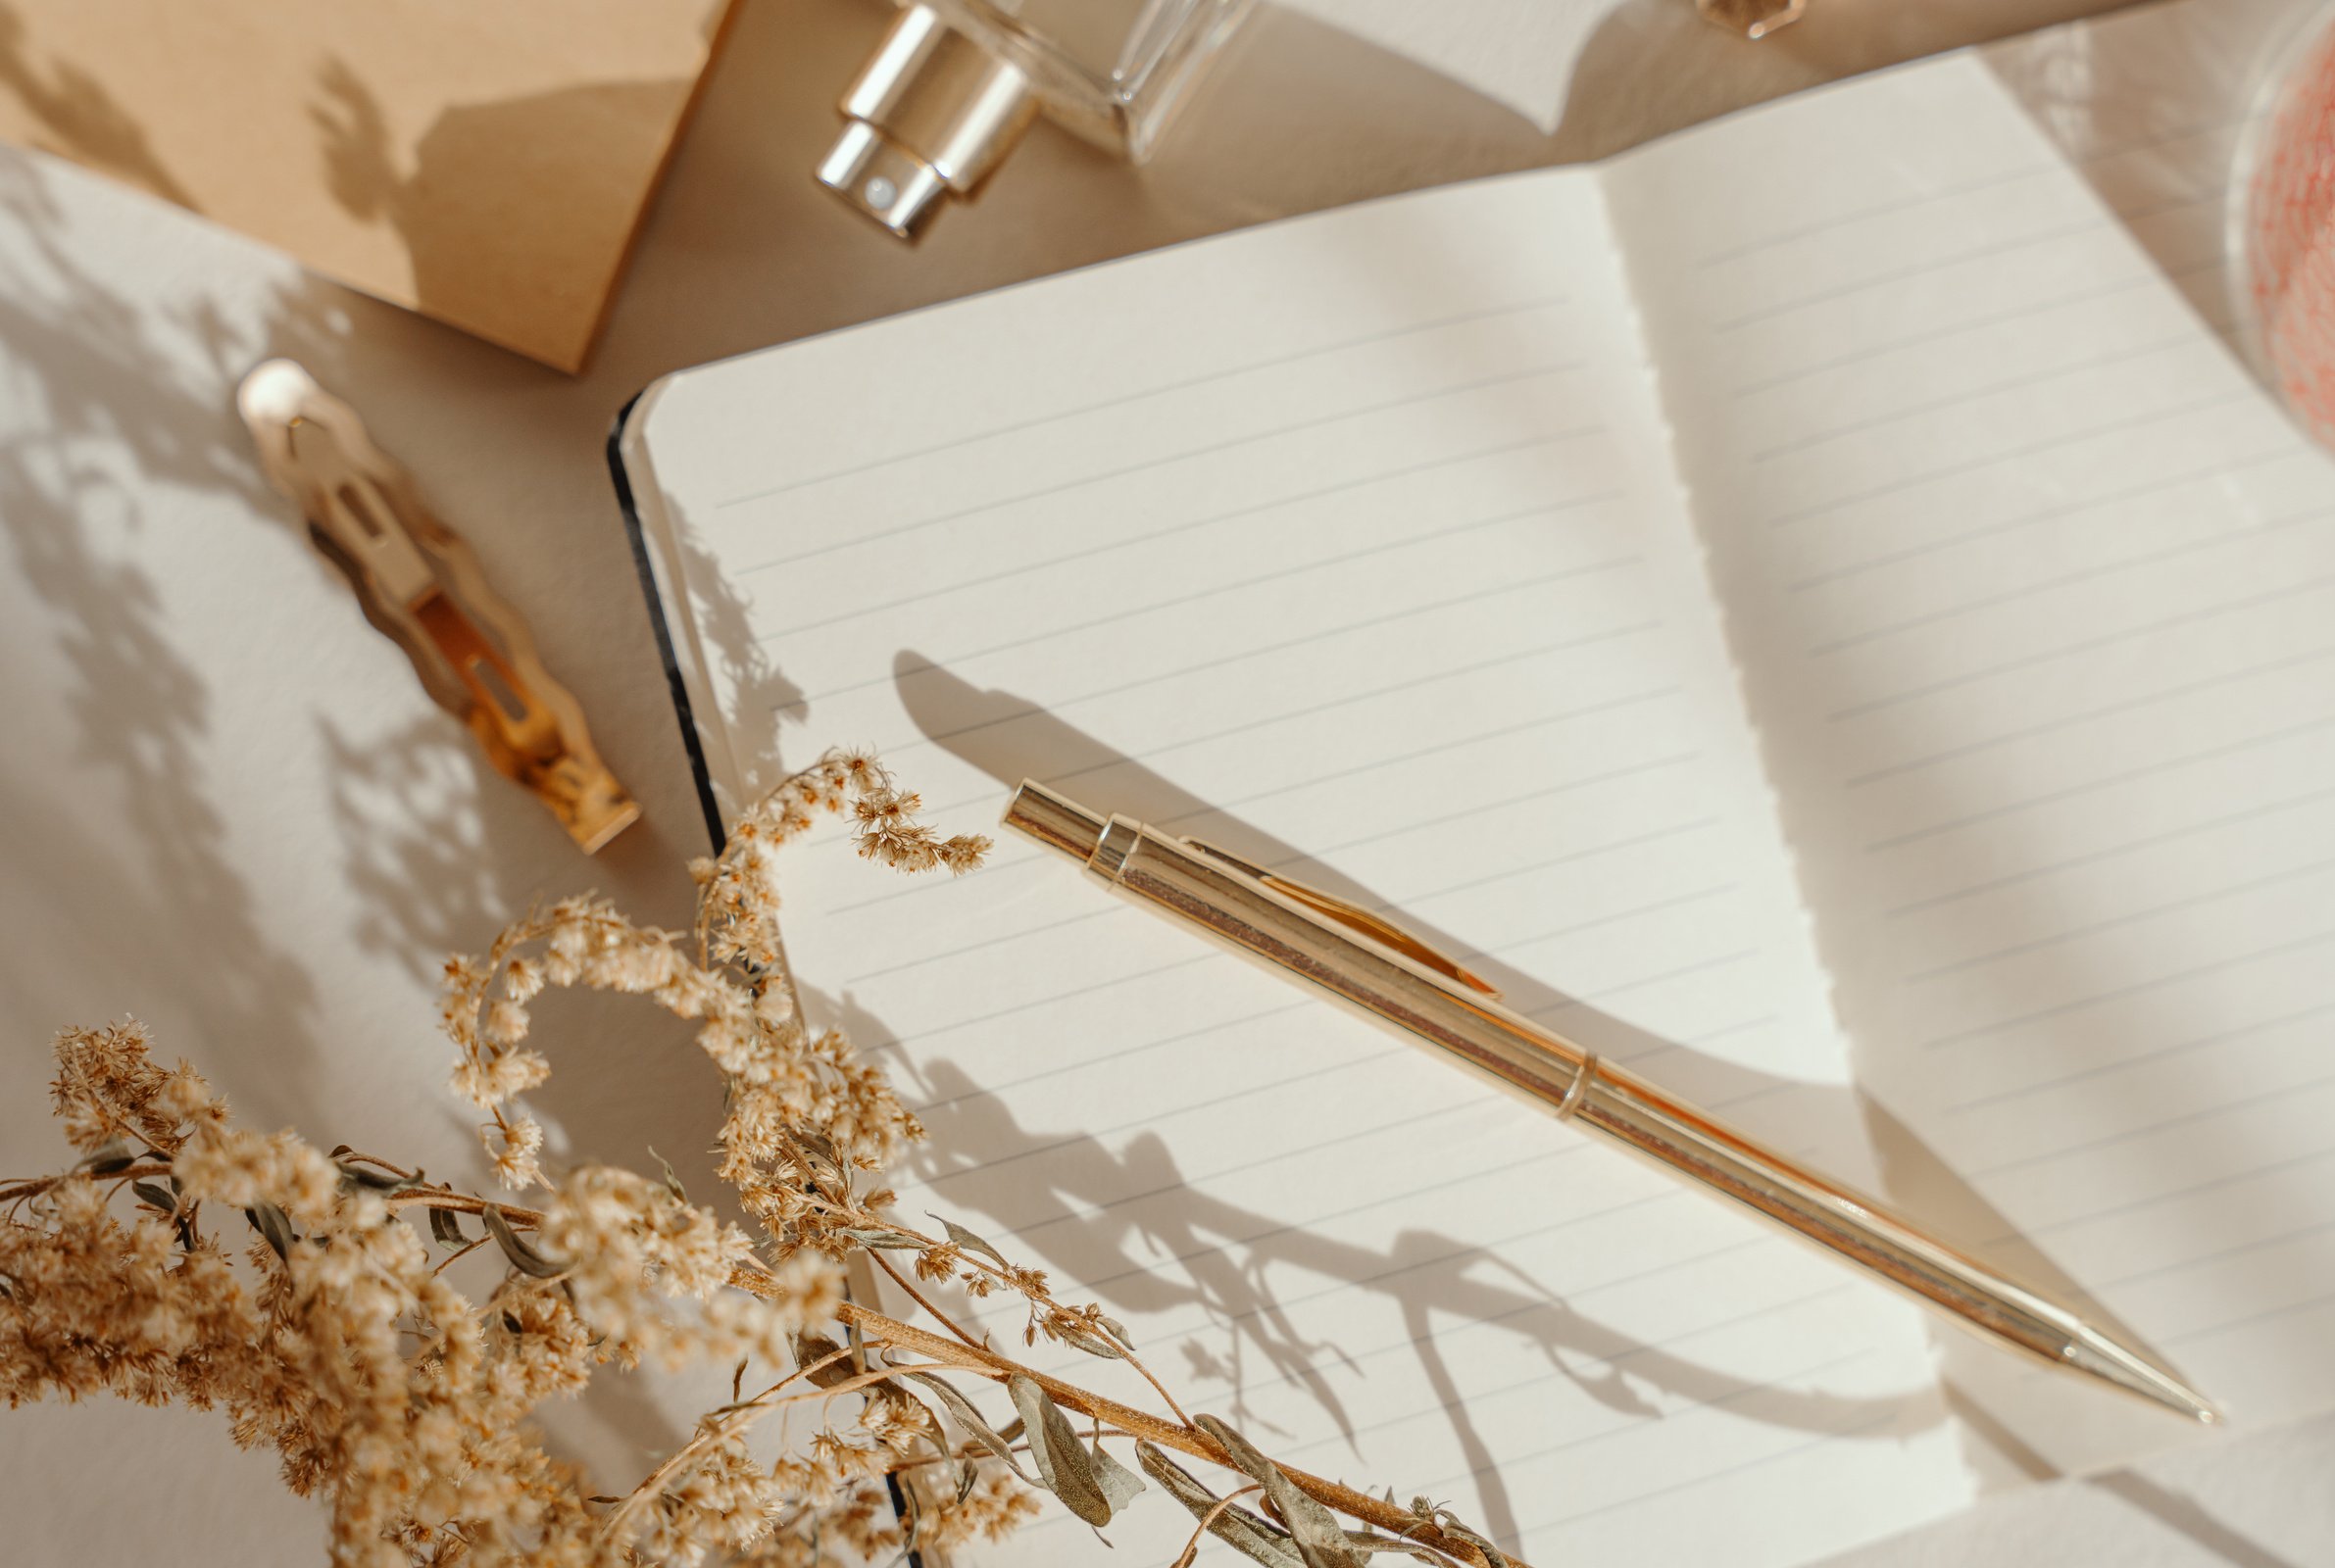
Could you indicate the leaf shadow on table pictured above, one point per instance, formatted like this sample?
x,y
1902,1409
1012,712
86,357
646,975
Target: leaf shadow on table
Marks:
x,y
110,418
152,892
78,116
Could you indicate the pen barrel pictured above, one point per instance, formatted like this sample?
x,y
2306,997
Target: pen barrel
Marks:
x,y
1243,914
1518,1055
1861,1230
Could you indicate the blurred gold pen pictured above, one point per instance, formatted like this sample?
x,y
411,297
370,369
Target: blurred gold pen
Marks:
x,y
1395,980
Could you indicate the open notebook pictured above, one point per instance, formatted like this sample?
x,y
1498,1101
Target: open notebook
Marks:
x,y
1806,607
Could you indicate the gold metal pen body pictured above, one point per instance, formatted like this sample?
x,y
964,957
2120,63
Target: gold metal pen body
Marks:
x,y
1352,960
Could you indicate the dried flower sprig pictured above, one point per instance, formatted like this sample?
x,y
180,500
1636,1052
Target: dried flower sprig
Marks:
x,y
339,1341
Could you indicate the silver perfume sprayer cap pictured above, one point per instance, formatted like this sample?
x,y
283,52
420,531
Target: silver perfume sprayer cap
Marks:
x,y
931,113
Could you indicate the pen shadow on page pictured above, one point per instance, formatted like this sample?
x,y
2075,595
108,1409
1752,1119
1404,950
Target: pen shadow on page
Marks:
x,y
1226,1252
998,732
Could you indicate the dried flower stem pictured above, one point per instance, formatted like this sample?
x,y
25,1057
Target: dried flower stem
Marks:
x,y
1009,1278
918,1296
727,1426
1140,1424
1207,1522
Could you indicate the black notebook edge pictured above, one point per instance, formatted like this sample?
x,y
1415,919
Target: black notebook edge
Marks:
x,y
667,651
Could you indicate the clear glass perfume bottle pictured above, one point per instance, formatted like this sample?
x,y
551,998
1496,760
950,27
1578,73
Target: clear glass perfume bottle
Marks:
x,y
955,83
2281,224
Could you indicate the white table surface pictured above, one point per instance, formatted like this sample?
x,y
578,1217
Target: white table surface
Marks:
x,y
225,807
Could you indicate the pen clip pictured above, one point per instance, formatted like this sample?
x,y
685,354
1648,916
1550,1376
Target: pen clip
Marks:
x,y
1378,928
422,587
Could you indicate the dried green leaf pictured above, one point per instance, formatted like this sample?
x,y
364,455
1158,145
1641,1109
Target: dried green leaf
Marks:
x,y
447,1229
970,1420
274,1225
1320,1538
1118,1484
1451,1525
1075,1334
673,1183
970,1242
1063,1465
161,1198
522,1252
1366,1541
911,1511
108,1159
814,1347
1118,1328
819,1156
881,1241
371,1178
1245,1531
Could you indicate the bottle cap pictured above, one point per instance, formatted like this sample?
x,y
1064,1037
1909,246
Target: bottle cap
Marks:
x,y
931,114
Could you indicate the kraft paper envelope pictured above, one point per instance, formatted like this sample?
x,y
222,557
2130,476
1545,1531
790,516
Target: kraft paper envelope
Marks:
x,y
486,165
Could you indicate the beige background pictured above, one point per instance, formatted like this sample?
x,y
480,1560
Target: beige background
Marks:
x,y
225,804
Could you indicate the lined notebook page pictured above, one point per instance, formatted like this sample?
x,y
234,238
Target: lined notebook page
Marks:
x,y
1352,544
2035,595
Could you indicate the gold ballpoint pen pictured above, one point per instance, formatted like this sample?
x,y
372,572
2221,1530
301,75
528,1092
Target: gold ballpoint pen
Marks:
x,y
1390,977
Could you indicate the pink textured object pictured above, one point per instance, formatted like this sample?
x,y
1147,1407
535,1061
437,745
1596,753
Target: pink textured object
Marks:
x,y
2289,232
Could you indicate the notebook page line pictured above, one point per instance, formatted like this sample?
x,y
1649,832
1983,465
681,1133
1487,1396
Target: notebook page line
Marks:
x,y
1444,535
2216,469
2158,767
2128,1062
1474,597
895,458
2123,636
1111,547
2043,376
2091,1217
1363,770
2154,982
2250,813
1914,764
1830,226
898,530
2121,426
2084,574
1330,704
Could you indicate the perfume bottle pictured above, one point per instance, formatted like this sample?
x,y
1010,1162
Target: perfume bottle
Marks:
x,y
2281,224
955,83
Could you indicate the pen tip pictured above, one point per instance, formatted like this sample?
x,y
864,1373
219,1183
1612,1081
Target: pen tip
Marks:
x,y
2134,1373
